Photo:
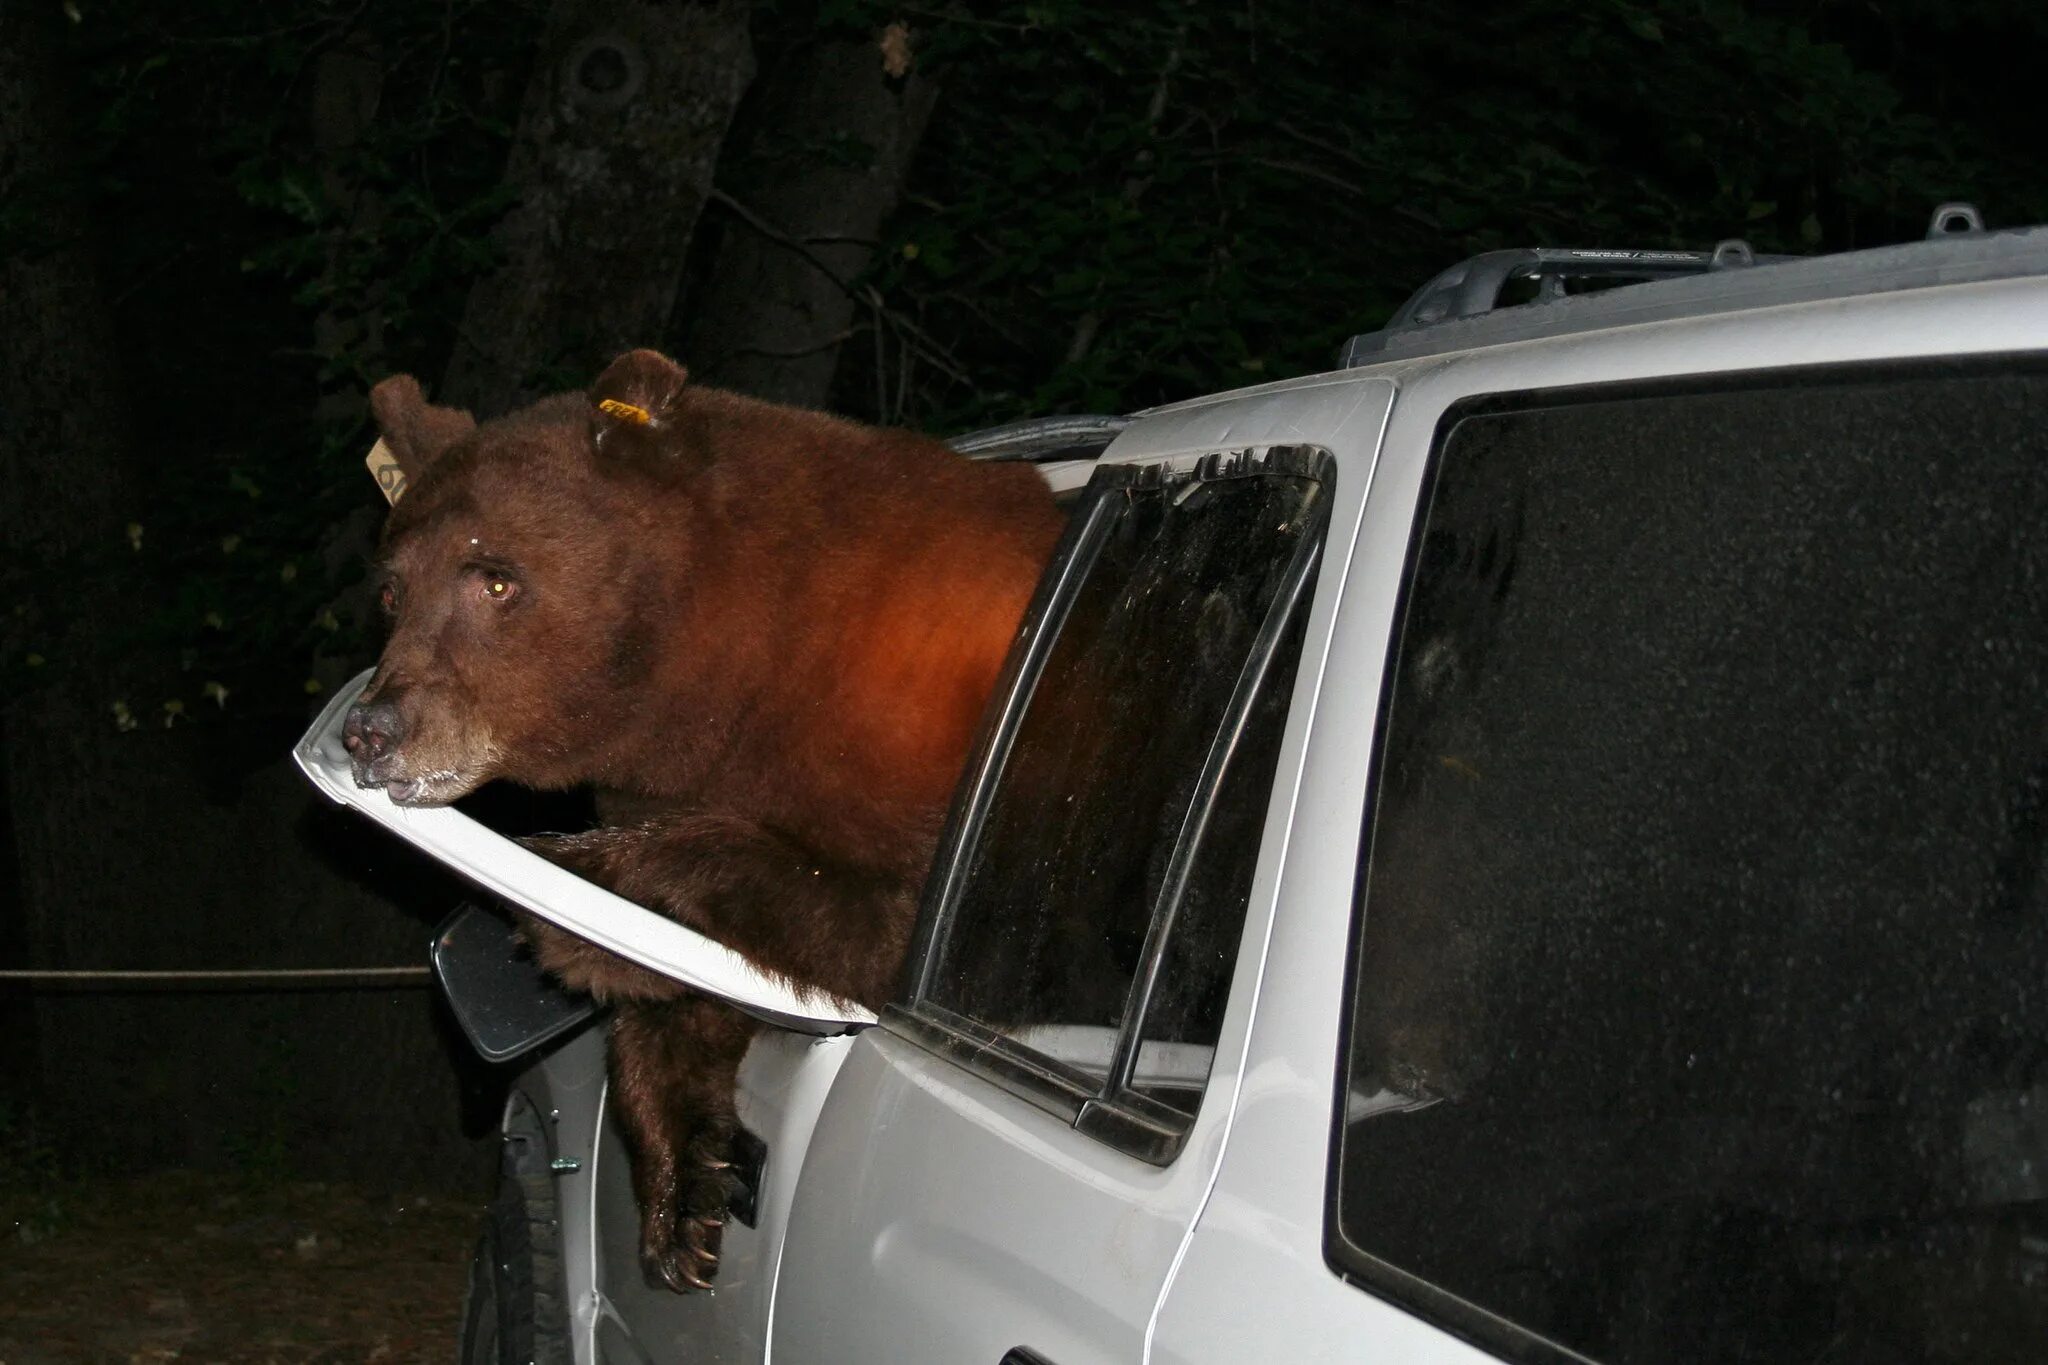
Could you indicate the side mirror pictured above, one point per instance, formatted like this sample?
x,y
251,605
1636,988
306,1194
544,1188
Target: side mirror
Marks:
x,y
506,1004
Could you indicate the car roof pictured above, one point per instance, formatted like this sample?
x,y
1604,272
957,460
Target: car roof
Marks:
x,y
1700,284
1944,259
1951,259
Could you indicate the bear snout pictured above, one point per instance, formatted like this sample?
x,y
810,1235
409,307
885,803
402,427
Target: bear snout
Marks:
x,y
370,734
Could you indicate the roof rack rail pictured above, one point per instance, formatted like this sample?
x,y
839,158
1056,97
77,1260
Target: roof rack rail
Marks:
x,y
1952,218
1042,438
1472,287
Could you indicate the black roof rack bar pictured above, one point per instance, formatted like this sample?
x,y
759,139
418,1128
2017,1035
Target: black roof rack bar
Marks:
x,y
1473,286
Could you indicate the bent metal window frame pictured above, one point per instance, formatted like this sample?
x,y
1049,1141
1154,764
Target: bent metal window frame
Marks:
x,y
1108,1108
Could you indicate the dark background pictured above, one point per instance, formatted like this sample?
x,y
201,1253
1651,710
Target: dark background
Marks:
x,y
219,223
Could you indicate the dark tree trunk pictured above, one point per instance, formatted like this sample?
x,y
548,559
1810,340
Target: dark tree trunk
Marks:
x,y
62,448
829,138
61,430
625,112
118,854
348,332
346,92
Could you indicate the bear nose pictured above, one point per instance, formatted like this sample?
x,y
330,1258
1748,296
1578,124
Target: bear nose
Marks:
x,y
370,732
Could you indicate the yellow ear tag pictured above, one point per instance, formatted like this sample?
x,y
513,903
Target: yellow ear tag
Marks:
x,y
384,469
626,412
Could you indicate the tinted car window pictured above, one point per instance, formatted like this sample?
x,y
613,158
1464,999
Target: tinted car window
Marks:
x,y
1103,879
1701,985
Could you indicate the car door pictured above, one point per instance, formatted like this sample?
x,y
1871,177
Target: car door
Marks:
x,y
1006,1168
1664,922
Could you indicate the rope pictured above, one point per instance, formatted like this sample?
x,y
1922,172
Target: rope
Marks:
x,y
309,977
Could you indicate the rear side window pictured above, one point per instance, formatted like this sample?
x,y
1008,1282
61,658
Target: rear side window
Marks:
x,y
1701,976
1084,922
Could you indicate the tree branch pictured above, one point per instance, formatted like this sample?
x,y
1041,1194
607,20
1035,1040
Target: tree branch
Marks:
x,y
931,351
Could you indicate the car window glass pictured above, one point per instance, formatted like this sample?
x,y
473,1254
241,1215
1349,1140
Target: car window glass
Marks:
x,y
1701,995
1108,870
1185,1009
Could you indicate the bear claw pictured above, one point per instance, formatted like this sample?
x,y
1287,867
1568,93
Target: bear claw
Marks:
x,y
682,1268
677,1275
686,1257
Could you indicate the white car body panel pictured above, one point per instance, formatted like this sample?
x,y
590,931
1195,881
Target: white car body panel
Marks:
x,y
986,1222
783,1084
1259,1240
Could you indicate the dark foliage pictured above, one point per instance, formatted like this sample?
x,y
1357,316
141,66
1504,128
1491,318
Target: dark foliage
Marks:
x,y
1114,206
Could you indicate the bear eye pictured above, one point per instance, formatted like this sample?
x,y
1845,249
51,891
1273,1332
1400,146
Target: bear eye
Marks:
x,y
387,598
500,589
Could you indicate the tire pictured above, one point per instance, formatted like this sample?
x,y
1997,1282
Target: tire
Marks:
x,y
515,1309
479,1340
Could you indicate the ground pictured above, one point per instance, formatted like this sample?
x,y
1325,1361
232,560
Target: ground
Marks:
x,y
185,1267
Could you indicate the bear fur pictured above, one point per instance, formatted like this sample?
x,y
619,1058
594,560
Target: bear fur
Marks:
x,y
764,635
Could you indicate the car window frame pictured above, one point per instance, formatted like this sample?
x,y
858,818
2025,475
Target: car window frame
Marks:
x,y
1105,1109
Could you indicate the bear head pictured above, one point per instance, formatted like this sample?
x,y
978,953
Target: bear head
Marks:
x,y
523,574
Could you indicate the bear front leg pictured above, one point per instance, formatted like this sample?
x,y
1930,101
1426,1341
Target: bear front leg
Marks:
x,y
581,965
823,925
675,1056
674,1067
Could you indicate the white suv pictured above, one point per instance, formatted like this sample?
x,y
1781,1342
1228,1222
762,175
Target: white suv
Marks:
x,y
1528,846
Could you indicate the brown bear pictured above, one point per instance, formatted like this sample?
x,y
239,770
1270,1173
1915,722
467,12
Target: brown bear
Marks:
x,y
766,633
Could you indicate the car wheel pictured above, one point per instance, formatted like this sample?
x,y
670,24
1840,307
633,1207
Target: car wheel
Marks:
x,y
479,1344
515,1310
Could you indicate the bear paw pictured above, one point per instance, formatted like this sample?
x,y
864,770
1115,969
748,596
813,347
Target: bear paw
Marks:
x,y
682,1253
687,1257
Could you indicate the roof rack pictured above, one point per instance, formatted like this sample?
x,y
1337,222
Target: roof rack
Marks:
x,y
1954,219
1040,439
1473,287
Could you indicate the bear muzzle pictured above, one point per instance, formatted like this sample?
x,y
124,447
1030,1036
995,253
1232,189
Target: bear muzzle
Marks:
x,y
372,732
372,735
375,733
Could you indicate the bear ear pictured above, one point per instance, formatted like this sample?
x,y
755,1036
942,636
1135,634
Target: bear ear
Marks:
x,y
415,430
637,393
